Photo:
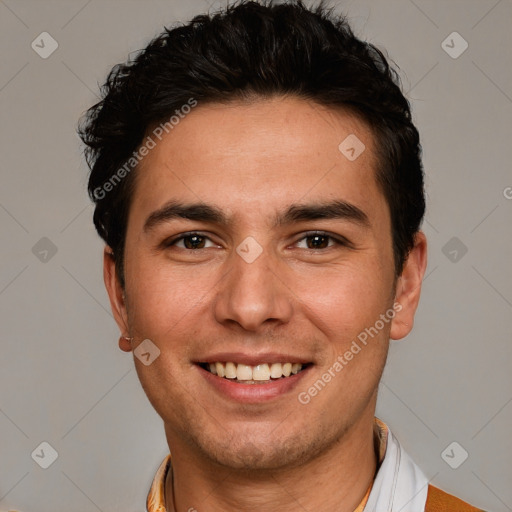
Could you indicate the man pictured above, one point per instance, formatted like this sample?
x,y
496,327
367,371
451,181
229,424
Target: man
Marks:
x,y
258,184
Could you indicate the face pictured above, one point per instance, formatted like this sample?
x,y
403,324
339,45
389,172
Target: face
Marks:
x,y
264,276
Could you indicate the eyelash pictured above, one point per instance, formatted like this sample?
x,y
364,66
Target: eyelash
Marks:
x,y
309,234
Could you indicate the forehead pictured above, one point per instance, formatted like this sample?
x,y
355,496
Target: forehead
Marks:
x,y
261,155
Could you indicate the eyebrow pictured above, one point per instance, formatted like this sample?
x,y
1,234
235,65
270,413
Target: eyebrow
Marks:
x,y
204,212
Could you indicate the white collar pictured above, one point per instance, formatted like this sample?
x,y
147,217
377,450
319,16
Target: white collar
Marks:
x,y
400,485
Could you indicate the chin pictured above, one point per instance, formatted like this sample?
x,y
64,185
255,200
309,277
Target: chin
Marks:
x,y
255,455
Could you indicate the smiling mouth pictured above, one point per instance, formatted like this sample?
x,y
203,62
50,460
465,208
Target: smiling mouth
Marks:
x,y
260,374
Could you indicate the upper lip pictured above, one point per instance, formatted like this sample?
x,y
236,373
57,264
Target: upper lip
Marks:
x,y
252,359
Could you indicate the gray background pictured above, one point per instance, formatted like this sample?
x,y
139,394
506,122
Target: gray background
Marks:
x,y
64,380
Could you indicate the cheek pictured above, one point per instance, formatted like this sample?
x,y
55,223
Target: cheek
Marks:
x,y
343,301
160,301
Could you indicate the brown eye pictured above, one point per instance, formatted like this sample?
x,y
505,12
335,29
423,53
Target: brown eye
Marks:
x,y
194,242
191,241
319,241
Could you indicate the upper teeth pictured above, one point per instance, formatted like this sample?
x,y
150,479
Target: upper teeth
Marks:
x,y
263,371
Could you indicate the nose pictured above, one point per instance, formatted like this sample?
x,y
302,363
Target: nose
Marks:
x,y
254,293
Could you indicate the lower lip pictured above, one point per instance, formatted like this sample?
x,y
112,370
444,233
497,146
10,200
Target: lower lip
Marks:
x,y
253,393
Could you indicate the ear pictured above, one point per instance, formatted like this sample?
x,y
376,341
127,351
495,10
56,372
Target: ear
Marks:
x,y
408,288
116,297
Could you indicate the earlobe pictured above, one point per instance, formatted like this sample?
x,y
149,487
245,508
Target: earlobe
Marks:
x,y
116,297
408,288
125,343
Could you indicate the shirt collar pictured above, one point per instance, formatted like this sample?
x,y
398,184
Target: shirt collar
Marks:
x,y
399,484
386,460
156,498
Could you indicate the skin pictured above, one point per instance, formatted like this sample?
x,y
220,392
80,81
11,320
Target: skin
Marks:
x,y
253,160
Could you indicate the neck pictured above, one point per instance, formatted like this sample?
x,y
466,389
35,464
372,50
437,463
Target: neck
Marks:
x,y
335,481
